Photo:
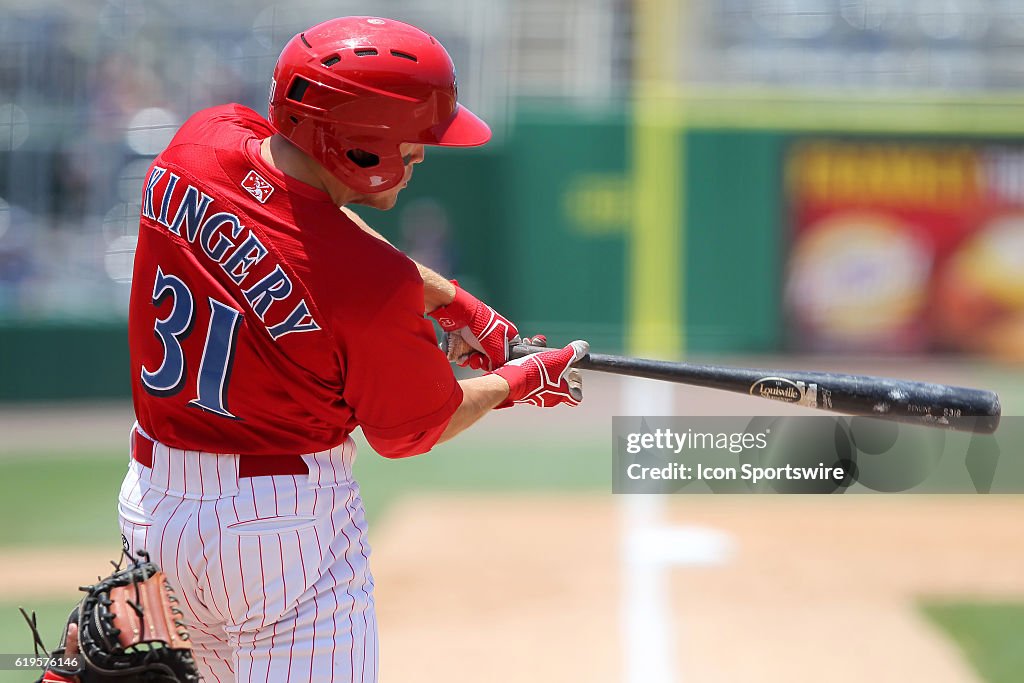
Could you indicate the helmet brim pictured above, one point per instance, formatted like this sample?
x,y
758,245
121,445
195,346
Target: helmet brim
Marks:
x,y
465,129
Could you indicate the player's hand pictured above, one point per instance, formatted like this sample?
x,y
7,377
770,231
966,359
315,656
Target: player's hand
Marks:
x,y
546,378
69,651
480,337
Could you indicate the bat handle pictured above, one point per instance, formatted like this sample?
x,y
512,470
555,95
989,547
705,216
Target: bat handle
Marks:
x,y
520,350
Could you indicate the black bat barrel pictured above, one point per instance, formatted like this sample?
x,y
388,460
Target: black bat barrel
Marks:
x,y
935,405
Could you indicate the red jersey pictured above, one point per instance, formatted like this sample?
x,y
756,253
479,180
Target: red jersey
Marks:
x,y
263,320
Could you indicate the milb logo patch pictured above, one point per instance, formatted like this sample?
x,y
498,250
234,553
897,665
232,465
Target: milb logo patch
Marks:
x,y
258,187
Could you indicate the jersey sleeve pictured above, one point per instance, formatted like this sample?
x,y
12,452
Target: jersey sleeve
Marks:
x,y
398,381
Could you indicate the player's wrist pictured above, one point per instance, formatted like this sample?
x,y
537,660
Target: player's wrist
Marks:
x,y
458,313
498,389
517,377
437,290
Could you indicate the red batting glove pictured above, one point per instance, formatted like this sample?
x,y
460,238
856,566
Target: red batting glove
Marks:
x,y
542,379
488,332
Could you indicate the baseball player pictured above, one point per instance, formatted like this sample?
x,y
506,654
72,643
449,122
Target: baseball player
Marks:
x,y
267,322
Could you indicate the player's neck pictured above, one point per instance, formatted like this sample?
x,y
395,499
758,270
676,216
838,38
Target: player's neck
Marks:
x,y
293,162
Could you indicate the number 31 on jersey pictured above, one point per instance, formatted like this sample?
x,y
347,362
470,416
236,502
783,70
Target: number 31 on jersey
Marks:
x,y
218,350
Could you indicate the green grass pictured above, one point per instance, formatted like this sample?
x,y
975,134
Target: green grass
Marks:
x,y
990,635
485,465
53,498
491,464
16,638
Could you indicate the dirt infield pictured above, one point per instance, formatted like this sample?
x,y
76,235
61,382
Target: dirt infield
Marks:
x,y
528,588
34,574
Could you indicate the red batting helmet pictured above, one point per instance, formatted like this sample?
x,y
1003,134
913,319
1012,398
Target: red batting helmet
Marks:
x,y
369,84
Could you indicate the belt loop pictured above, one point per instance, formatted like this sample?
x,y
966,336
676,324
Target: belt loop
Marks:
x,y
331,467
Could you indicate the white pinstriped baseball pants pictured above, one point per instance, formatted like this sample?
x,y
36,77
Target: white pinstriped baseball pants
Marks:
x,y
271,572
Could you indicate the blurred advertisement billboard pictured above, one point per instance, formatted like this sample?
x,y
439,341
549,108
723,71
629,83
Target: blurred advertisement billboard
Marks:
x,y
905,246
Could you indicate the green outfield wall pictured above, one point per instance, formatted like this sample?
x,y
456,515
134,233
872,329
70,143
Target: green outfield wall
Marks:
x,y
63,360
537,224
735,240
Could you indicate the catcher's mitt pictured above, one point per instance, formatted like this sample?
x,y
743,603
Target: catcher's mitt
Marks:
x,y
125,629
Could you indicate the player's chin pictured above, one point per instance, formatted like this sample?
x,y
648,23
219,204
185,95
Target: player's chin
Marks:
x,y
381,200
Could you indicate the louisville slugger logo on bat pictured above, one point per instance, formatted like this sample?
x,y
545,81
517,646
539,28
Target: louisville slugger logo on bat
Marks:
x,y
786,390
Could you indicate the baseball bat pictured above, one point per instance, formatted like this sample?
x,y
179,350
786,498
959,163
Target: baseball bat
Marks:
x,y
933,405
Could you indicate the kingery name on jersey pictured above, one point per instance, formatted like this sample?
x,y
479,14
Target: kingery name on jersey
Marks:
x,y
220,239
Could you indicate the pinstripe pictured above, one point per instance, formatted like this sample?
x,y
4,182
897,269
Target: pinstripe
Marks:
x,y
163,534
184,592
302,561
285,600
316,596
354,516
252,656
302,566
201,654
182,457
215,650
334,621
291,651
334,584
204,664
199,472
241,567
155,513
255,499
263,577
270,652
284,575
220,561
256,513
142,506
351,622
211,602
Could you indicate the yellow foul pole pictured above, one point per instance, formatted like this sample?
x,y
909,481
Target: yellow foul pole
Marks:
x,y
654,318
654,274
